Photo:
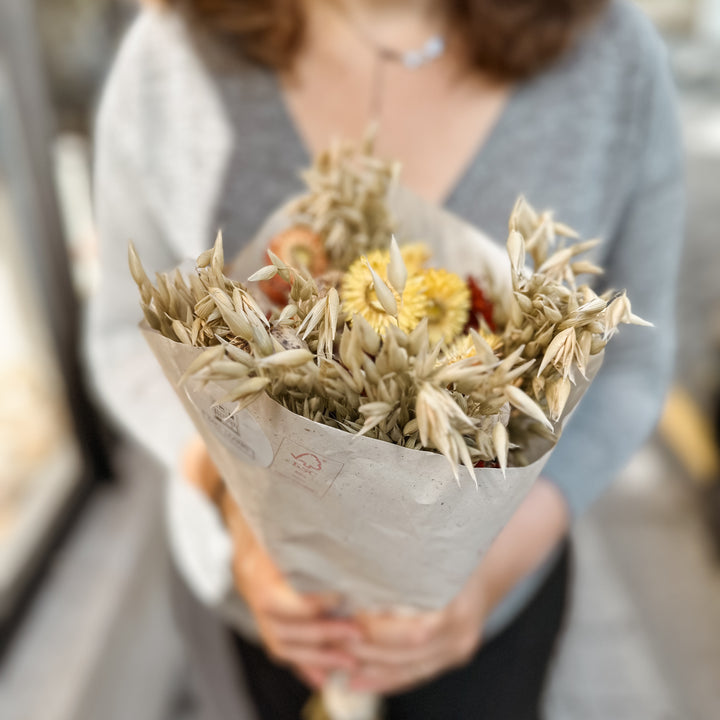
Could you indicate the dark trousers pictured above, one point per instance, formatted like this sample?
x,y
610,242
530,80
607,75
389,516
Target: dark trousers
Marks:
x,y
504,681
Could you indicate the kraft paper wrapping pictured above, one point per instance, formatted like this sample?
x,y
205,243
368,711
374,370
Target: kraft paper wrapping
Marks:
x,y
385,526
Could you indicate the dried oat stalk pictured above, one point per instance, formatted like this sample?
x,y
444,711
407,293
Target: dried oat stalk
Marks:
x,y
346,202
562,323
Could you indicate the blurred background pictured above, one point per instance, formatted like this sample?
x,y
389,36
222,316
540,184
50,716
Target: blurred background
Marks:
x,y
85,627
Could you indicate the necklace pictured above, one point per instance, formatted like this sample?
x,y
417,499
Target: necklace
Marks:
x,y
433,49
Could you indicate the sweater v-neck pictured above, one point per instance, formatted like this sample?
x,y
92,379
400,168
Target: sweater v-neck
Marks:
x,y
473,168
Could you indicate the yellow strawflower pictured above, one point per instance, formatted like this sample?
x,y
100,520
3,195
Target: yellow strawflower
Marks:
x,y
358,296
449,299
416,256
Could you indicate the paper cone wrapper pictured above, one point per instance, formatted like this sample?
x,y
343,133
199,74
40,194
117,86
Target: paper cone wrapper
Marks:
x,y
384,526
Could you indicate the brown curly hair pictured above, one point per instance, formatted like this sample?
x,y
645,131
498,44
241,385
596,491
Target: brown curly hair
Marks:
x,y
508,39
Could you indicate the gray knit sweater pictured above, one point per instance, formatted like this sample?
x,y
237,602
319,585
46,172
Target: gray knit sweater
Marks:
x,y
183,150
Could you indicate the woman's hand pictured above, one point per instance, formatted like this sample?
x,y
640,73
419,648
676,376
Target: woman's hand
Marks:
x,y
295,629
399,651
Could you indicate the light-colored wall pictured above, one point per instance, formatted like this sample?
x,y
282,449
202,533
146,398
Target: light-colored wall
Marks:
x,y
708,19
699,17
672,15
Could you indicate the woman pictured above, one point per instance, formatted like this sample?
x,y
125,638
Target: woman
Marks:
x,y
212,107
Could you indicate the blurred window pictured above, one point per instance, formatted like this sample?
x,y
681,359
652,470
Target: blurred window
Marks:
x,y
48,435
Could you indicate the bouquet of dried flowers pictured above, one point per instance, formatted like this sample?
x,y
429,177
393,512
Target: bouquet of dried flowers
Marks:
x,y
345,330
363,336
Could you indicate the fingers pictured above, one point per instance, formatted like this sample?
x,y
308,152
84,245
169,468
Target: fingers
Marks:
x,y
267,592
296,629
396,631
278,599
323,632
295,634
381,680
325,659
391,669
313,677
309,606
389,657
392,642
399,652
303,649
326,603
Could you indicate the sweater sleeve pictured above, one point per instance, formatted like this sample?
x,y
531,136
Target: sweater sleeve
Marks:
x,y
126,377
623,404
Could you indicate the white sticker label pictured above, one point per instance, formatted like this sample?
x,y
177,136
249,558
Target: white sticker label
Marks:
x,y
239,432
313,471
